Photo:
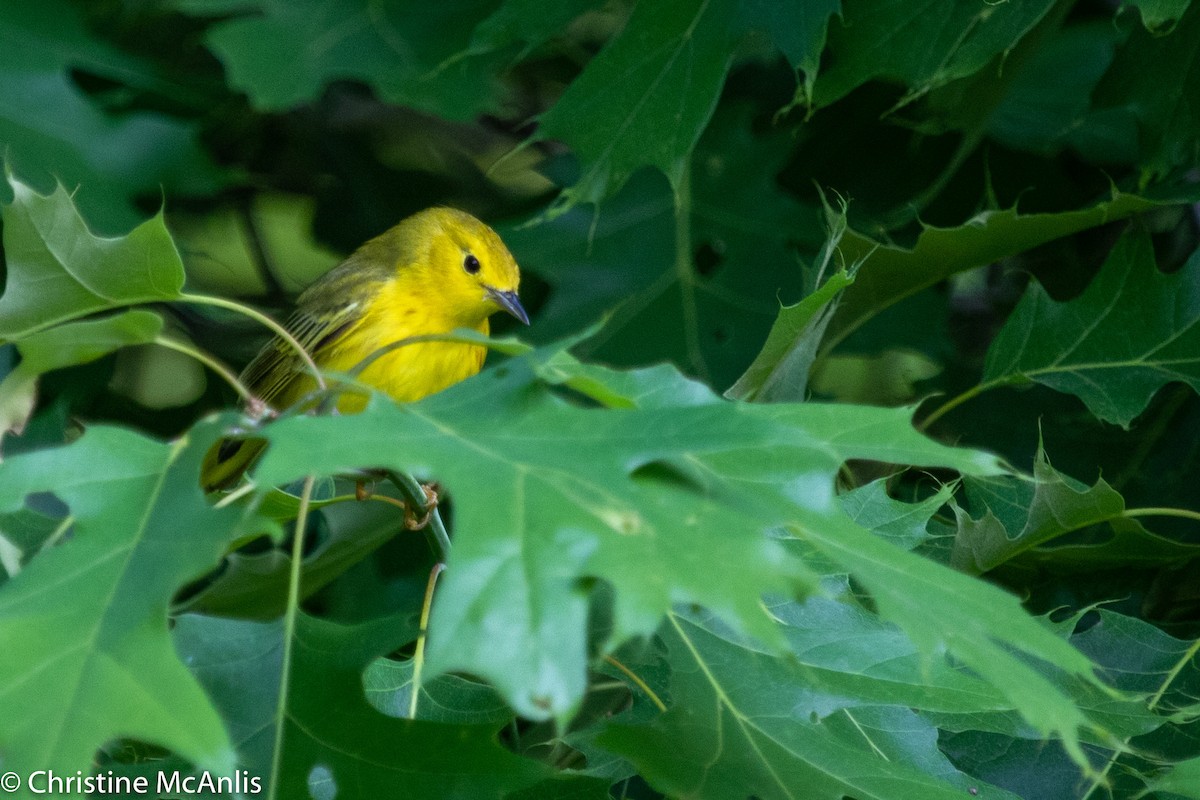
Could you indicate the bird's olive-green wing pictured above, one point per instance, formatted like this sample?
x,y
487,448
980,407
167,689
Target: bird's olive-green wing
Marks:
x,y
326,311
315,327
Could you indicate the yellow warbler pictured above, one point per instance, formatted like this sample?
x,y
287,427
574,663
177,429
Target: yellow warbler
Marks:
x,y
438,270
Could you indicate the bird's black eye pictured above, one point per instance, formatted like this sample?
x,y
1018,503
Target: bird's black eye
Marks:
x,y
471,264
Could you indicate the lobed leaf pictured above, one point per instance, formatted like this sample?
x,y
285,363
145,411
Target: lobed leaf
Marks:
x,y
702,296
1017,514
743,721
85,622
51,130
648,499
1168,122
1132,331
334,743
443,59
928,44
58,270
888,273
644,100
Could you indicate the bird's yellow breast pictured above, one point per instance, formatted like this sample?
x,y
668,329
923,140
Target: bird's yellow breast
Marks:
x,y
407,373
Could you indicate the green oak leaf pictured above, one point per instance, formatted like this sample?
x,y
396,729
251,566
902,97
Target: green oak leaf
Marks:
x,y
59,270
1048,106
1016,516
780,371
577,493
928,43
928,600
444,59
51,130
797,29
1015,513
634,260
445,698
1158,676
644,100
85,621
334,742
1132,331
80,342
742,723
63,346
889,273
1168,121
902,524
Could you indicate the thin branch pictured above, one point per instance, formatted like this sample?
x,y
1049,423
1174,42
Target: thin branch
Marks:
x,y
289,632
419,653
258,316
638,682
204,358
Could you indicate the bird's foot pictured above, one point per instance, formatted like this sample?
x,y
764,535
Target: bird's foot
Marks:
x,y
411,521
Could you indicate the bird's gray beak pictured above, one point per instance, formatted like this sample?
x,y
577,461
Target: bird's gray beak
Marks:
x,y
509,302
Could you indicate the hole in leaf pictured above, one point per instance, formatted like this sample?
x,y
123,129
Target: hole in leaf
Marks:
x,y
667,474
708,257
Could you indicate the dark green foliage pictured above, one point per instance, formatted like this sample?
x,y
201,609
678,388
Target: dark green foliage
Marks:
x,y
767,507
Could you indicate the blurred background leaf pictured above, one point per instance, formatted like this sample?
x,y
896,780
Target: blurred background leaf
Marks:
x,y
664,174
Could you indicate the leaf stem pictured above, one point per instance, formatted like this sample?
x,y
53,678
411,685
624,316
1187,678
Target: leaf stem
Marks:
x,y
419,653
1161,512
638,682
208,361
439,539
289,631
258,316
953,403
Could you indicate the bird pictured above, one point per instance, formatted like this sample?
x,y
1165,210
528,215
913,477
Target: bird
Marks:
x,y
435,271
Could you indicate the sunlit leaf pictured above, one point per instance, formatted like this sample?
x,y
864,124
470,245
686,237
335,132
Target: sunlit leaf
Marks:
x,y
86,621
659,488
60,270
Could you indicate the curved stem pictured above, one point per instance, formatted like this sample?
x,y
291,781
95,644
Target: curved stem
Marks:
x,y
1161,512
419,653
208,361
439,539
953,403
289,632
258,316
641,684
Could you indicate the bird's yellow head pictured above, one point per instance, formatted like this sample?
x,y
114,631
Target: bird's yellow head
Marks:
x,y
465,263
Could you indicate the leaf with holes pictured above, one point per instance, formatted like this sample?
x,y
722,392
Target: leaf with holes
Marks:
x,y
85,622
549,495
